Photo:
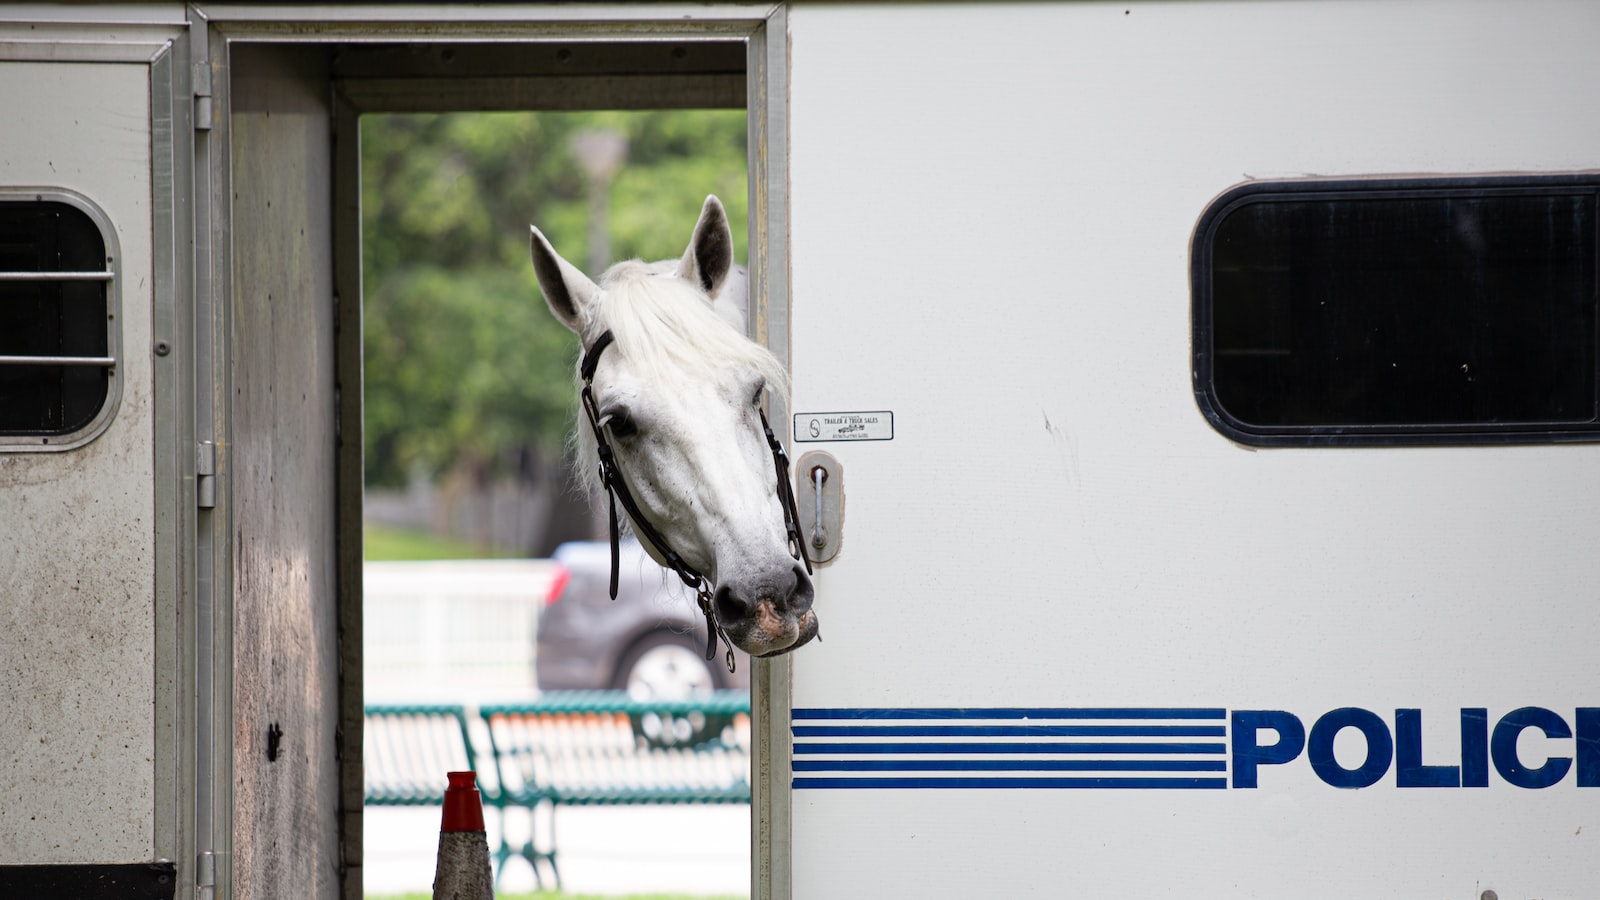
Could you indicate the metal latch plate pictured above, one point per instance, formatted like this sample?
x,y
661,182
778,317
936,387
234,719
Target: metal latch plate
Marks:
x,y
819,498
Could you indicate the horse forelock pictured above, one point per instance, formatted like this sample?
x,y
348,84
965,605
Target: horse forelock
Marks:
x,y
666,328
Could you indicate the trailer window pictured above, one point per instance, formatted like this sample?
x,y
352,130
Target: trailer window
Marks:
x,y
1425,311
57,312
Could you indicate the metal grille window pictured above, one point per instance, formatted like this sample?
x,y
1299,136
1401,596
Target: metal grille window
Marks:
x,y
1418,311
58,307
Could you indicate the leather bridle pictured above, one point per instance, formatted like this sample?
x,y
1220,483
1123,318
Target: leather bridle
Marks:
x,y
617,491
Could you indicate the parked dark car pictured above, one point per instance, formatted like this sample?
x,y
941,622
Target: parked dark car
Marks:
x,y
650,641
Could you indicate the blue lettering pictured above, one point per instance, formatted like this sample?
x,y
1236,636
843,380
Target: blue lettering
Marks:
x,y
1482,748
1380,748
1475,747
1588,724
1503,747
1409,770
1247,754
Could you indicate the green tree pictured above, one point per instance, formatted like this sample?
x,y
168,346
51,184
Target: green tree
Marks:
x,y
465,367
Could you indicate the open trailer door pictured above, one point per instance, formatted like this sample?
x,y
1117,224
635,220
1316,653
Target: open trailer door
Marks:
x,y
91,493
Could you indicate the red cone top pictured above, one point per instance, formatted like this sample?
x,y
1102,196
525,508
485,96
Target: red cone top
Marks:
x,y
463,805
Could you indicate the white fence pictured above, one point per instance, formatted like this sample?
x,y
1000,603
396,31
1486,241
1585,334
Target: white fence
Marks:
x,y
453,630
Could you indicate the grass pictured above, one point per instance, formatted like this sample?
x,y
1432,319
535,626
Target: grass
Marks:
x,y
383,543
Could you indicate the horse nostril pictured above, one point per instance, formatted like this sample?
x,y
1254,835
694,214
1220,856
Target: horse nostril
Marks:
x,y
730,606
800,599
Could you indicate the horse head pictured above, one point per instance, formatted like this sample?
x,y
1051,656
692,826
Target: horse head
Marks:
x,y
674,395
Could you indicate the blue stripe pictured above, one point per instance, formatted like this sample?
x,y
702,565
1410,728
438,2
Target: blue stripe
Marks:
x,y
1030,783
997,747
1010,765
1009,731
1015,713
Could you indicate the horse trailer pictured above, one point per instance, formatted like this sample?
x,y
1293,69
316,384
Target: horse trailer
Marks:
x,y
1195,406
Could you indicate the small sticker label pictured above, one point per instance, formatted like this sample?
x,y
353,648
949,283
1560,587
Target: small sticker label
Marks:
x,y
844,426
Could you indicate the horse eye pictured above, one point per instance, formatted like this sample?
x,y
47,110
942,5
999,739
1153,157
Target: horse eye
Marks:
x,y
760,389
620,424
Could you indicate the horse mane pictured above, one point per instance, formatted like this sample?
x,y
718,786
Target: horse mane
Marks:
x,y
667,328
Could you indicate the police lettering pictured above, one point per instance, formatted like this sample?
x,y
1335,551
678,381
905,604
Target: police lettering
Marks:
x,y
1273,738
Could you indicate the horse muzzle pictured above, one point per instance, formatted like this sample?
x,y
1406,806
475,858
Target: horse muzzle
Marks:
x,y
808,630
769,617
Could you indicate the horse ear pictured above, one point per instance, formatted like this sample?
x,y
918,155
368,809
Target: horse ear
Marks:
x,y
710,255
568,291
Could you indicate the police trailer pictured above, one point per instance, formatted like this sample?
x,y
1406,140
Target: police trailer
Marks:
x,y
1195,404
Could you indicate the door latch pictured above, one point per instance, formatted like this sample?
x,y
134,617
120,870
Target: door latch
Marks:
x,y
820,498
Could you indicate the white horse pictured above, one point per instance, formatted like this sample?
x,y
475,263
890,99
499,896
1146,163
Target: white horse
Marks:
x,y
673,393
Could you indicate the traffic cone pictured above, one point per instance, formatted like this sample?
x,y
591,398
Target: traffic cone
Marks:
x,y
463,871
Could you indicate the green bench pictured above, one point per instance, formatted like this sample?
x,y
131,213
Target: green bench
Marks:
x,y
605,748
564,749
409,748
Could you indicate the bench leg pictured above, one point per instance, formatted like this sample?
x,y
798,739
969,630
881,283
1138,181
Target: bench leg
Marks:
x,y
505,849
528,848
535,855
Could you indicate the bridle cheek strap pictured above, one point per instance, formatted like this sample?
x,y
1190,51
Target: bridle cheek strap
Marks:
x,y
617,491
791,511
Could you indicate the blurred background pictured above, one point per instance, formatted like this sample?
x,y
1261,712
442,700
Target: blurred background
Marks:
x,y
471,504
469,397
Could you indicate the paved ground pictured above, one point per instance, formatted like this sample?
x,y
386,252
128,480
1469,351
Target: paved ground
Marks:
x,y
697,850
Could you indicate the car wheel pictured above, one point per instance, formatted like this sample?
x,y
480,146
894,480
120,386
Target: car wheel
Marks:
x,y
666,666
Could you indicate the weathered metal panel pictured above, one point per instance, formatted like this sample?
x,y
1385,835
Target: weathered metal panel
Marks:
x,y
77,560
281,467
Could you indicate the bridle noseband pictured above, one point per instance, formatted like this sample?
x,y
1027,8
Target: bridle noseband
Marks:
x,y
617,490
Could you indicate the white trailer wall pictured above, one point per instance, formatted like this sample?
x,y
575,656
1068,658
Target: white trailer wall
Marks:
x,y
992,208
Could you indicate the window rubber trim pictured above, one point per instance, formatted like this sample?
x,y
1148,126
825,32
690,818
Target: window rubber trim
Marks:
x,y
114,360
1202,306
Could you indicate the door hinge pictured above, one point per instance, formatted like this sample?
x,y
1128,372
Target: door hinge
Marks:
x,y
202,96
205,870
205,475
201,70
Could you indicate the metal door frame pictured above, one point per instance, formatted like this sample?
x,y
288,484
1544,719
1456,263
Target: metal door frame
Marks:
x,y
215,27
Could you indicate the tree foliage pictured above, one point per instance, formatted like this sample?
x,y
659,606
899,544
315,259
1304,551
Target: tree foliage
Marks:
x,y
464,364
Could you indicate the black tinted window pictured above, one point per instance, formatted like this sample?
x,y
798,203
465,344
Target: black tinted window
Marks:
x,y
1437,311
55,356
